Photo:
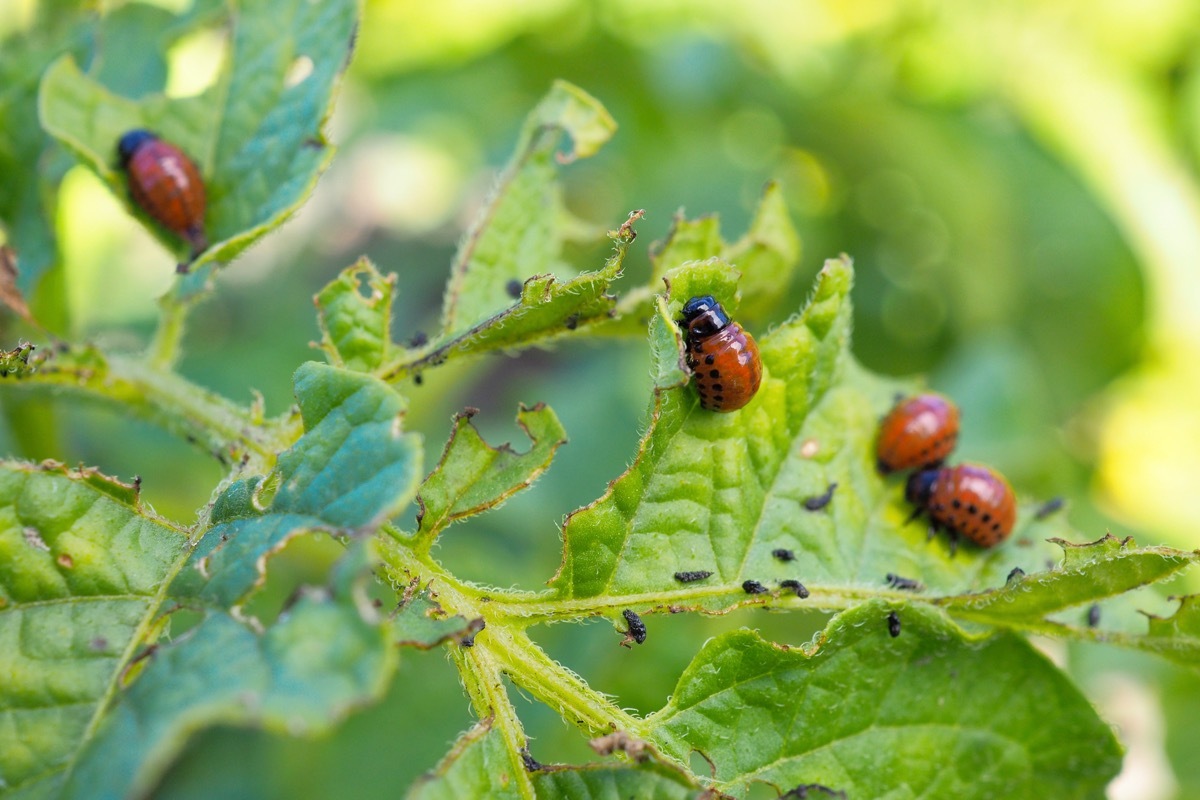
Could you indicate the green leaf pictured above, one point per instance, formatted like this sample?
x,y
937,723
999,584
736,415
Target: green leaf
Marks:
x,y
1088,572
478,765
928,713
355,314
27,193
81,576
519,232
721,492
473,476
766,258
546,310
422,622
604,781
326,656
352,470
257,135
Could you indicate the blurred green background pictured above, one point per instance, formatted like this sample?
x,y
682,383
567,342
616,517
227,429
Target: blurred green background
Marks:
x,y
1017,182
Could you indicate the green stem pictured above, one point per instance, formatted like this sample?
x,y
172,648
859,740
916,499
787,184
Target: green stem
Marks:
x,y
529,609
504,646
226,431
165,347
484,684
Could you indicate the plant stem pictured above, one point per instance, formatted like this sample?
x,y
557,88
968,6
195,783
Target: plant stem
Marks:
x,y
502,645
164,348
484,684
223,429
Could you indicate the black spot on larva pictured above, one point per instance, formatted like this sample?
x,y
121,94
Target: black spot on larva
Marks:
x,y
893,622
709,359
956,503
972,509
714,373
718,387
692,576
996,526
754,587
718,399
939,507
986,517
783,554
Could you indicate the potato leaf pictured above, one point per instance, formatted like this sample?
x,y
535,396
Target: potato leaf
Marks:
x,y
257,134
926,713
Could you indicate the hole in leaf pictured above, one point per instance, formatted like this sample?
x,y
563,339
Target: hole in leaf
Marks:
x,y
298,72
196,61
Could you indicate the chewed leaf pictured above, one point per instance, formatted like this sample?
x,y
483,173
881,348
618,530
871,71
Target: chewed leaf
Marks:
x,y
422,622
81,571
1089,572
473,476
865,712
519,233
479,765
257,134
723,492
326,656
546,309
353,468
765,258
356,327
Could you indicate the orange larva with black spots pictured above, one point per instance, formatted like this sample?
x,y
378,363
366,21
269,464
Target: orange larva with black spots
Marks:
x,y
166,184
966,500
722,356
919,432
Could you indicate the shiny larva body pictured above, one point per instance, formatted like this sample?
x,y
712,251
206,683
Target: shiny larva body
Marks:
x,y
919,432
966,500
722,356
166,184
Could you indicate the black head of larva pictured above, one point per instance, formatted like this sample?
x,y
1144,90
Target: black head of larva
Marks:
x,y
920,487
703,316
130,143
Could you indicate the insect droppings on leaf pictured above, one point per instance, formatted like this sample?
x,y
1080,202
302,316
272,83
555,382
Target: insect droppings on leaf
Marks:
x,y
637,628
893,620
754,587
513,288
1093,615
1015,574
783,554
796,586
904,584
531,764
802,792
1049,507
419,339
820,501
693,576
